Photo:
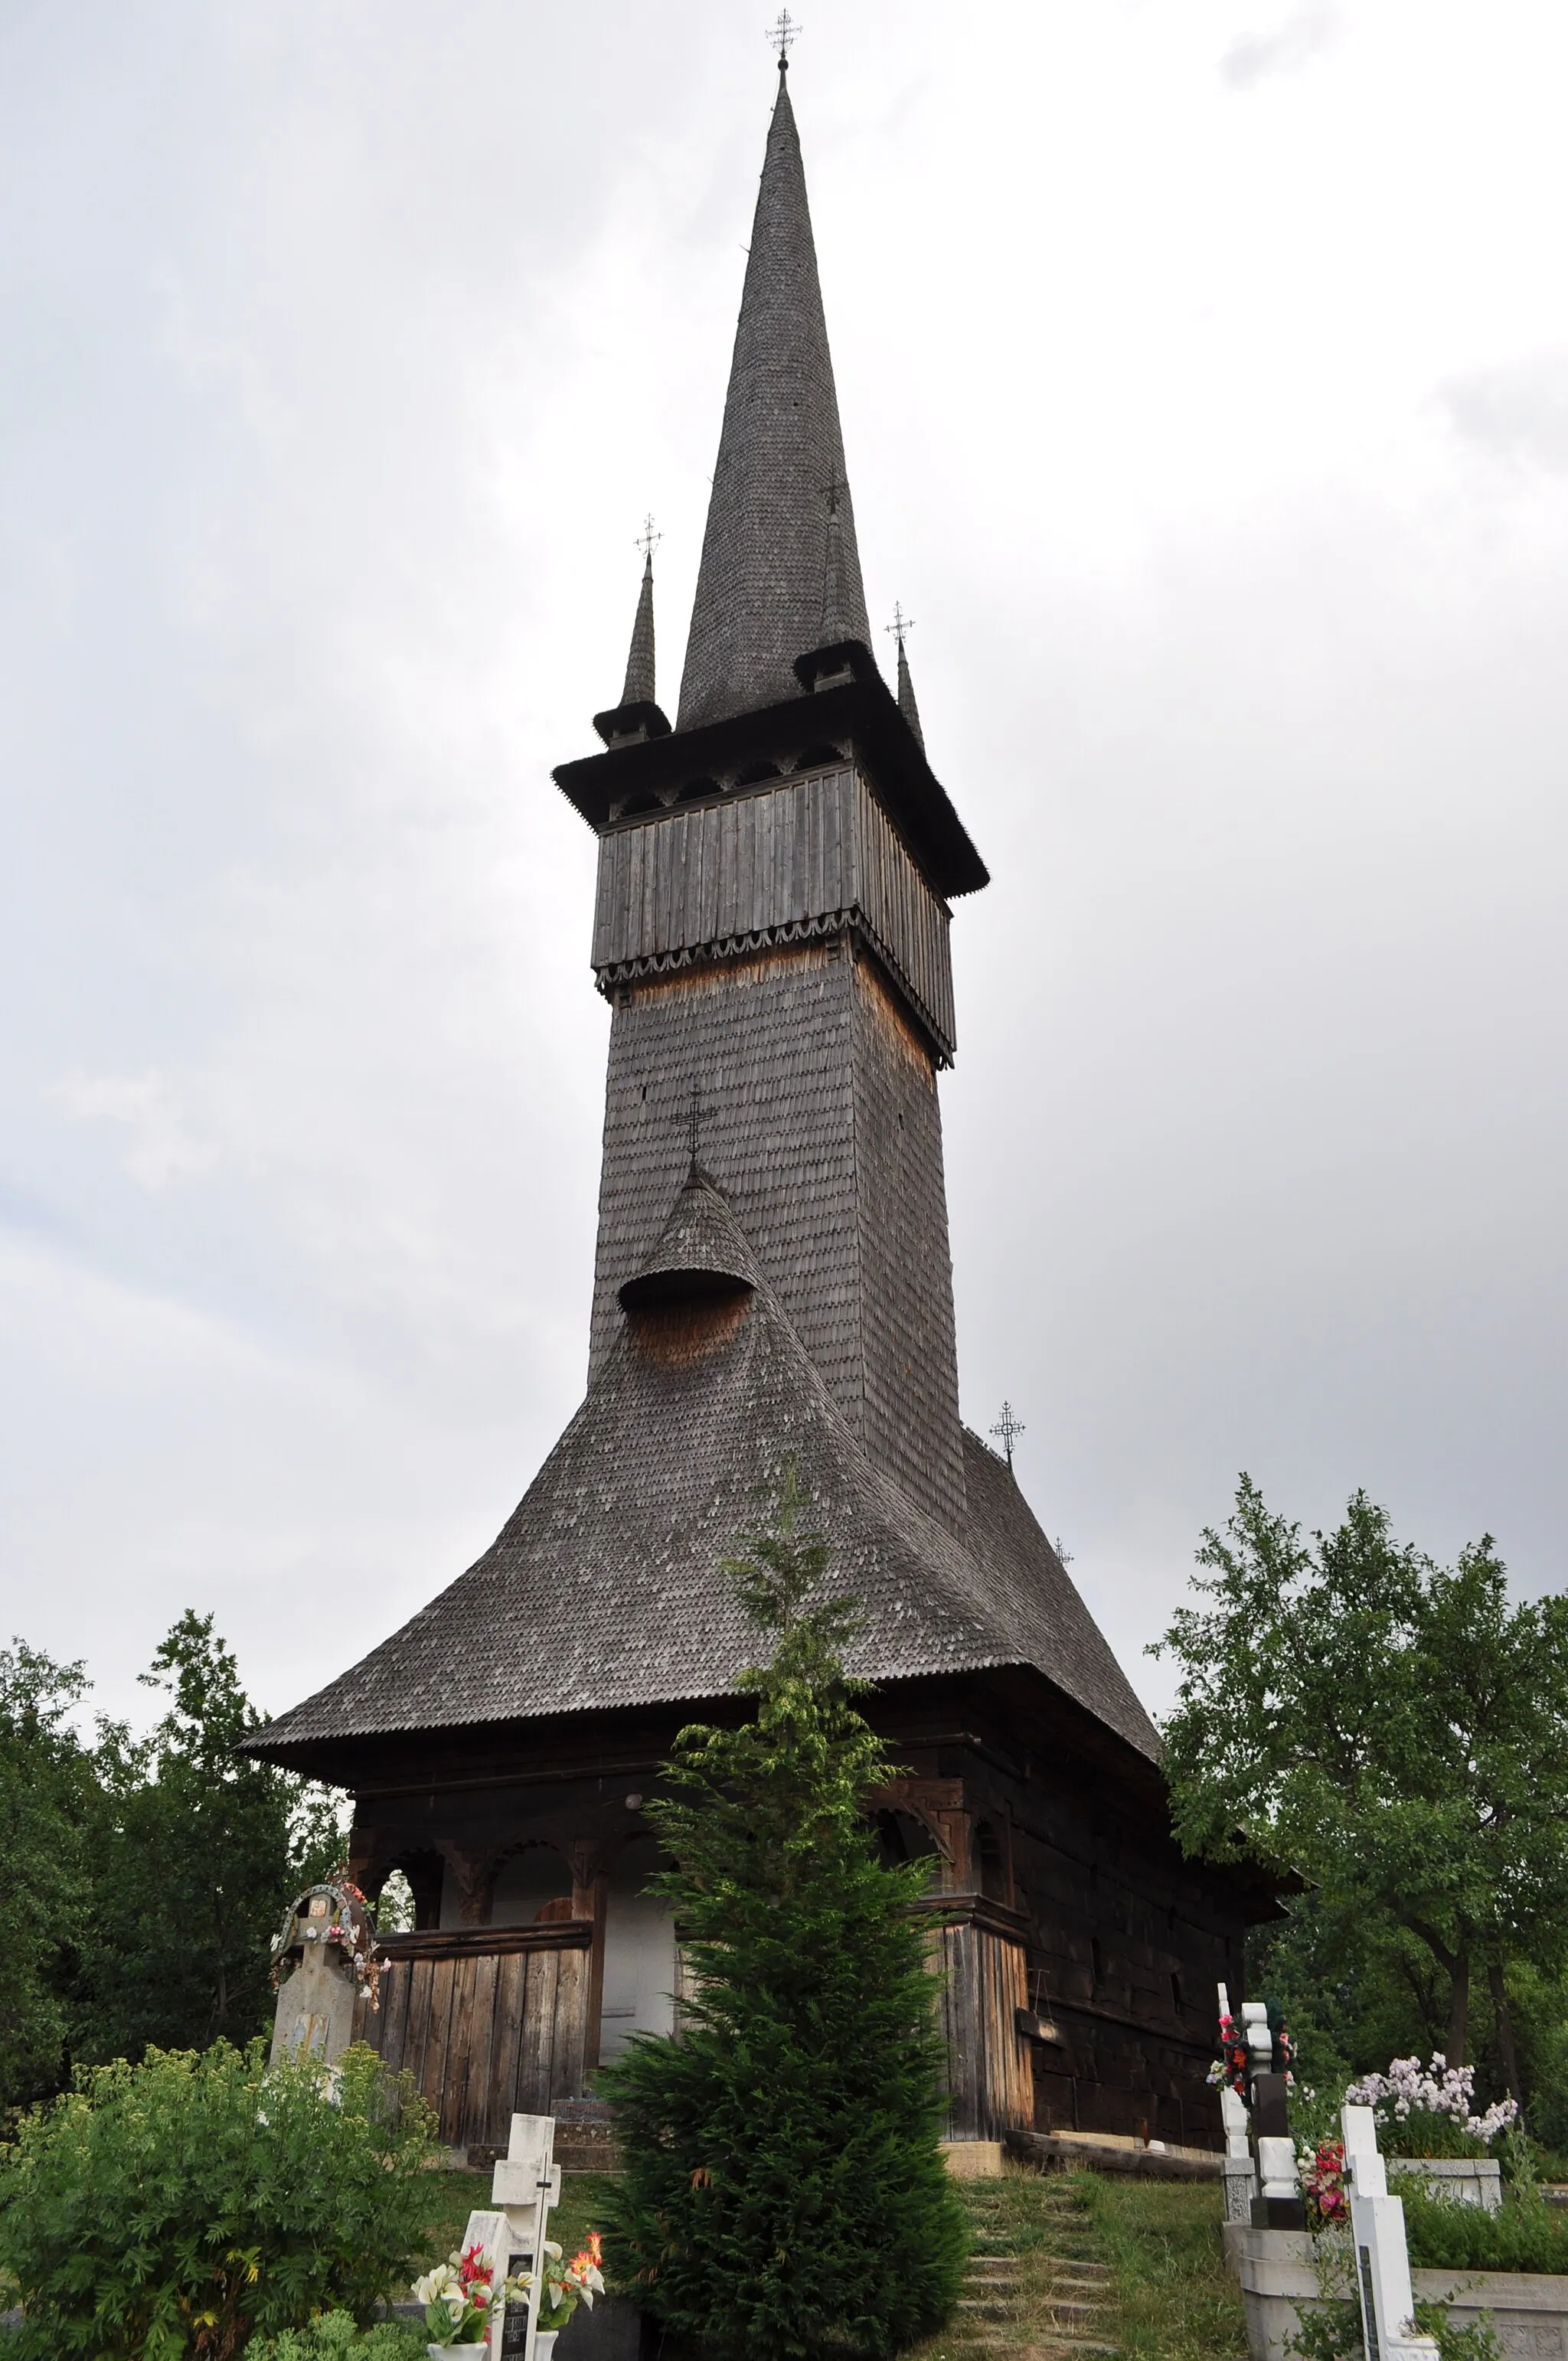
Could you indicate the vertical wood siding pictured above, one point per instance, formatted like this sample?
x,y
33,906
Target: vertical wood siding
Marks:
x,y
805,851
990,2077
484,2037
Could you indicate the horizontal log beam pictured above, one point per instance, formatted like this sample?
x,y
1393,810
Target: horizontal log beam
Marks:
x,y
1146,2163
486,1942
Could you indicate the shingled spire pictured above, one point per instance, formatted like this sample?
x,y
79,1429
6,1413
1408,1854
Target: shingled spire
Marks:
x,y
780,476
639,688
906,704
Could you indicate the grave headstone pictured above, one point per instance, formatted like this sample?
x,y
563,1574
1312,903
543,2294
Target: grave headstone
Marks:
x,y
1239,2170
318,1963
525,2185
1382,2258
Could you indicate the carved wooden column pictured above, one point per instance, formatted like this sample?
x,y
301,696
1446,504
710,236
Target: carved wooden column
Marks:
x,y
476,1874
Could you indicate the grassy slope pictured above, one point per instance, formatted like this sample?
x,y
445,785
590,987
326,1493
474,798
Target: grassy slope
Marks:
x,y
1161,2239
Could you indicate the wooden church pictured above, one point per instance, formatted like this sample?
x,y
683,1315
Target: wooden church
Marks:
x,y
776,879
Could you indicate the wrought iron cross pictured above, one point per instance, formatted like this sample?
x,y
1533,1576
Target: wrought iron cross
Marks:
x,y
648,540
695,1114
782,35
1009,1428
901,625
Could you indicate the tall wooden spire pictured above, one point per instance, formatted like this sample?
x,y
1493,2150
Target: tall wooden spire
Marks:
x,y
639,688
779,480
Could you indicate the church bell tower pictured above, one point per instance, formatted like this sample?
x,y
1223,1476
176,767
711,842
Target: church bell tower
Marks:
x,y
774,881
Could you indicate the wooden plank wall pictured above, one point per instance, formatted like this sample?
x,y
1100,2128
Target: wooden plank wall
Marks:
x,y
484,2034
802,850
990,2086
908,921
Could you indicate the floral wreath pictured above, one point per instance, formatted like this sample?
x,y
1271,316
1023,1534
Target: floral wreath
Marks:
x,y
1234,2059
349,1928
1233,2065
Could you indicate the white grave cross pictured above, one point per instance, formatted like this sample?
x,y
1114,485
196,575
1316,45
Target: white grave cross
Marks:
x,y
526,2184
1240,2175
1382,2258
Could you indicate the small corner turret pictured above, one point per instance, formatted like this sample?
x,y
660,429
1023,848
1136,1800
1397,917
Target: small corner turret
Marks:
x,y
637,717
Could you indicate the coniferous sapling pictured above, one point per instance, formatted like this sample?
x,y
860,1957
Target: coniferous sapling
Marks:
x,y
785,2193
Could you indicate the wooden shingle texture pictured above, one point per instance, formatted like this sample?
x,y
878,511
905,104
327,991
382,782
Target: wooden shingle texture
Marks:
x,y
604,1589
761,583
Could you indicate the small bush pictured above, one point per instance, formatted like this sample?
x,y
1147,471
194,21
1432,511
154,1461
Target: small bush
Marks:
x,y
1443,2235
335,2337
1332,2333
181,2207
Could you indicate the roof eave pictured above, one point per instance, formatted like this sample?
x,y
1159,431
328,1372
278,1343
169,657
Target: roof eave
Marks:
x,y
859,710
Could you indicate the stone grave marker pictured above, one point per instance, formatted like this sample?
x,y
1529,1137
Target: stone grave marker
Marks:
x,y
525,2185
317,1961
1382,2257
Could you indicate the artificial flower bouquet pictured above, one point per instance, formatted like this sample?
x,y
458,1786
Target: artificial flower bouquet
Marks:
x,y
563,2285
458,2297
1322,2185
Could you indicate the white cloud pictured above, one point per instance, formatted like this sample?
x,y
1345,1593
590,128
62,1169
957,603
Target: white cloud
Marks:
x,y
1303,37
1517,411
162,1147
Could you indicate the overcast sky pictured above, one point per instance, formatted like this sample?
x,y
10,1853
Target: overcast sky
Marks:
x,y
1204,378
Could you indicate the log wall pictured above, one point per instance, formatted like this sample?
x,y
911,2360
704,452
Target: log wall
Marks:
x,y
488,2025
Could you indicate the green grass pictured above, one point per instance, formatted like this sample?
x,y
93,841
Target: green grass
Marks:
x,y
1175,2301
456,2195
1161,2239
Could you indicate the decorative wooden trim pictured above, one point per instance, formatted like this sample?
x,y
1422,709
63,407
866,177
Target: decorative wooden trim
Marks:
x,y
486,1942
979,1910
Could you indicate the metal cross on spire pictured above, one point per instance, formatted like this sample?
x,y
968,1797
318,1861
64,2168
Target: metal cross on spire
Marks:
x,y
901,625
1009,1428
695,1114
782,35
648,540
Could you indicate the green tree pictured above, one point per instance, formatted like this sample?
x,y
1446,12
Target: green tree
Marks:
x,y
46,1782
1397,1729
785,2193
197,1852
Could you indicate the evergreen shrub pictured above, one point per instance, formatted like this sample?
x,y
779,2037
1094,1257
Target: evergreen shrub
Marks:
x,y
182,2206
784,2194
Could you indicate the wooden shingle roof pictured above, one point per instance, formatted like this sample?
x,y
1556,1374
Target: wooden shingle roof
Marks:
x,y
779,553
604,1588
